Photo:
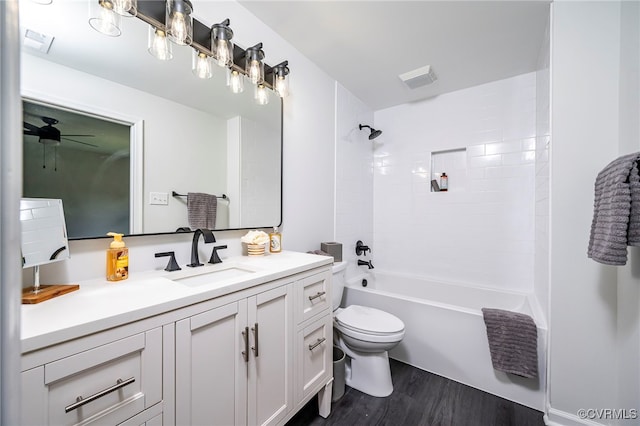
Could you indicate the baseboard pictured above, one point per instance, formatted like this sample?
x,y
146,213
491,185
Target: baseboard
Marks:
x,y
560,418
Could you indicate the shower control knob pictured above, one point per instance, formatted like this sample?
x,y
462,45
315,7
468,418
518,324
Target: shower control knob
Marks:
x,y
361,248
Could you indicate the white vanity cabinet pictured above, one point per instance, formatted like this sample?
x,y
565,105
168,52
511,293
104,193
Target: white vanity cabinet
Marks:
x,y
249,354
105,384
233,362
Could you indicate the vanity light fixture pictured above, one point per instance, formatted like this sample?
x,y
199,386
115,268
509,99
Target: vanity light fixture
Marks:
x,y
254,65
235,81
103,18
221,44
202,65
172,21
280,81
159,45
261,95
126,8
179,21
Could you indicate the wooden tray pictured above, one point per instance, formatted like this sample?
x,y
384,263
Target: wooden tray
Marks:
x,y
46,292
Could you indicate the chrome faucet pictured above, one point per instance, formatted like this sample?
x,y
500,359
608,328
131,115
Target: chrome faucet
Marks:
x,y
365,263
208,238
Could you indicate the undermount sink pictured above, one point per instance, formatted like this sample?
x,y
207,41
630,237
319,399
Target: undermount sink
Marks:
x,y
212,277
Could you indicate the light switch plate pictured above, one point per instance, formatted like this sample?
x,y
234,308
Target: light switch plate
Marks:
x,y
159,198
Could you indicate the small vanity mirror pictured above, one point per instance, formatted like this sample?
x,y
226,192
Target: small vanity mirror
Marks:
x,y
44,240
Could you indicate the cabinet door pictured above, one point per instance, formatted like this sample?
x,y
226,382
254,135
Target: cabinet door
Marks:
x,y
271,362
211,373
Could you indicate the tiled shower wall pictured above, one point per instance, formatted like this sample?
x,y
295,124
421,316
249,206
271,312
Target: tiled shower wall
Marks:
x,y
481,232
354,177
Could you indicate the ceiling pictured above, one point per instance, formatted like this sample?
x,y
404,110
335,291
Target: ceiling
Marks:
x,y
365,45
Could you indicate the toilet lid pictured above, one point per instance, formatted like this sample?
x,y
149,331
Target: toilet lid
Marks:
x,y
369,320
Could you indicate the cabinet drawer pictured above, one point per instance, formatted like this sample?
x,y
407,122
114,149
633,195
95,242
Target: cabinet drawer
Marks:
x,y
107,384
315,349
314,295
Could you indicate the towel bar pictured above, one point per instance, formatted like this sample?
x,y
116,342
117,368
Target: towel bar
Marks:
x,y
175,194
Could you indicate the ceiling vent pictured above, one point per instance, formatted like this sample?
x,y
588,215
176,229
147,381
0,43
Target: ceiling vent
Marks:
x,y
419,77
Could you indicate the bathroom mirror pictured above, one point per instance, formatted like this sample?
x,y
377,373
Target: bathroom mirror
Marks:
x,y
186,134
44,232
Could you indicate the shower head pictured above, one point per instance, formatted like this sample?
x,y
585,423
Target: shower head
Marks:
x,y
374,133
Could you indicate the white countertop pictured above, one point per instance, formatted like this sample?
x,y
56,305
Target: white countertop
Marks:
x,y
99,304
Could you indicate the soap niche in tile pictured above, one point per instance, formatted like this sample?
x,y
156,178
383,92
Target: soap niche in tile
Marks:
x,y
453,162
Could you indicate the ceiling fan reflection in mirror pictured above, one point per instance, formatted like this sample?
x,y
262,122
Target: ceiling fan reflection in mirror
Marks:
x,y
48,135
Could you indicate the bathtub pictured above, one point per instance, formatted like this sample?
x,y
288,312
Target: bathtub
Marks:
x,y
445,331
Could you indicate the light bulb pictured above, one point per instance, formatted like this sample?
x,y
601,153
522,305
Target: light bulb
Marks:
x,y
179,28
254,71
202,65
179,21
104,19
236,82
281,86
261,95
159,45
223,56
125,7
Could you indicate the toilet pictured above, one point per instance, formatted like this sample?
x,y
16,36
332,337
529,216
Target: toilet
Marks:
x,y
365,335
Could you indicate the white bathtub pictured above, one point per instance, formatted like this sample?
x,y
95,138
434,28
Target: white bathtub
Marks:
x,y
445,331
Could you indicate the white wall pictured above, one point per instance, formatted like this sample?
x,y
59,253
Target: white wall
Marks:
x,y
542,179
354,178
481,231
629,277
308,198
594,307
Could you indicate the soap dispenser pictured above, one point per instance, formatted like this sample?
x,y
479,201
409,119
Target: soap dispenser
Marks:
x,y
275,241
117,259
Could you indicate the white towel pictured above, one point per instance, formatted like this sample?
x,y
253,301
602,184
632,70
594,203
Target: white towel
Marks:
x,y
201,210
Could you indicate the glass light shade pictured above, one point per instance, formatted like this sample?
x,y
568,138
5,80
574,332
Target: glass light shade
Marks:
x,y
103,19
280,80
254,66
202,65
126,8
235,81
281,86
261,94
179,21
221,44
159,45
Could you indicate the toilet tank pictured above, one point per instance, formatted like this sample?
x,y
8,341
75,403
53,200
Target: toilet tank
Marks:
x,y
338,269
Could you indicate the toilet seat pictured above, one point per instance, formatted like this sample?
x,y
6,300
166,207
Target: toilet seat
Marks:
x,y
369,324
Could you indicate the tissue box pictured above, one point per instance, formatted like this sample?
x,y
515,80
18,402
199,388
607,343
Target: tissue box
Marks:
x,y
334,249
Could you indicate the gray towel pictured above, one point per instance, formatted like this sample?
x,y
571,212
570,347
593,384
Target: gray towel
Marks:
x,y
616,217
513,342
201,210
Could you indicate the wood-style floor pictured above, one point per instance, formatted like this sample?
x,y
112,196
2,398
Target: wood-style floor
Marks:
x,y
421,398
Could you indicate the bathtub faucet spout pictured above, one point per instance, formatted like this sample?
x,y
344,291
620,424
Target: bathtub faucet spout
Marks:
x,y
365,263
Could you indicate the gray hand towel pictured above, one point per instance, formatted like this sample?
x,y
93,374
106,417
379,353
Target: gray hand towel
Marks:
x,y
513,342
201,210
616,218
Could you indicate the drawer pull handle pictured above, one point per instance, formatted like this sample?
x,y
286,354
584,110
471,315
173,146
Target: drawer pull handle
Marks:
x,y
318,294
80,401
245,336
317,343
255,337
